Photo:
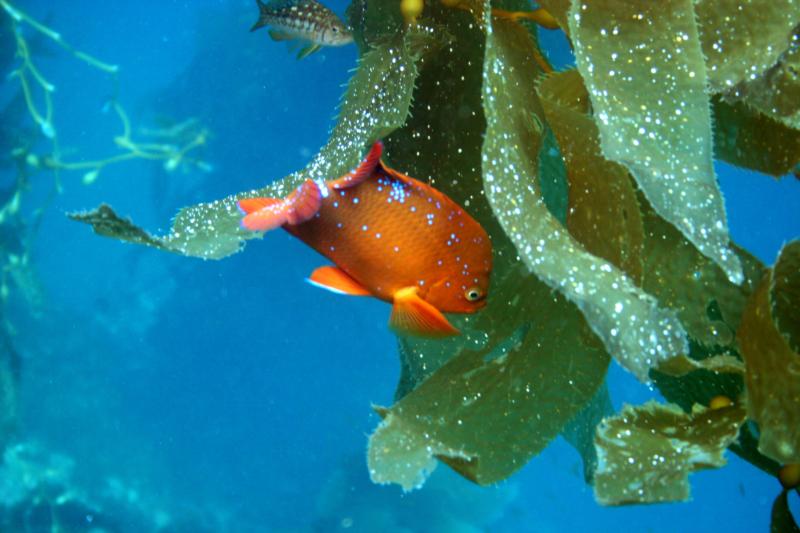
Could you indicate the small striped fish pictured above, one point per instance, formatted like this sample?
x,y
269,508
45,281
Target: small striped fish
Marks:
x,y
305,20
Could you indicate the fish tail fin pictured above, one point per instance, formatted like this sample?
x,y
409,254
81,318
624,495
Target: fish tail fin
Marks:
x,y
264,214
263,16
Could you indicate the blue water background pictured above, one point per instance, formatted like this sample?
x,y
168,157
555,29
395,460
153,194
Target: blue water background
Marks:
x,y
235,387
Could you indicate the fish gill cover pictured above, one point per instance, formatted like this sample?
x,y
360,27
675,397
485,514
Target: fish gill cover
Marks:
x,y
615,247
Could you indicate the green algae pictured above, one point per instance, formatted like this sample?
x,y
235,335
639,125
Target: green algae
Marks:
x,y
643,66
646,453
772,366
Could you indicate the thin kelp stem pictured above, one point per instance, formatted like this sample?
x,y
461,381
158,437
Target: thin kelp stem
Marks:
x,y
20,16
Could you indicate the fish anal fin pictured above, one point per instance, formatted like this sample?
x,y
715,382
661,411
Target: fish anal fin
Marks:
x,y
308,50
411,315
363,171
337,280
277,35
264,214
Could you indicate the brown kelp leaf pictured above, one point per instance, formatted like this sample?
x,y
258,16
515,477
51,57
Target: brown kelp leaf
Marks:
x,y
683,279
559,10
747,138
784,294
108,223
776,92
643,66
603,210
773,375
630,323
682,365
487,411
742,39
646,453
375,103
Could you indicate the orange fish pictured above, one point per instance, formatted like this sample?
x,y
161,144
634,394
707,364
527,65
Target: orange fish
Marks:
x,y
391,237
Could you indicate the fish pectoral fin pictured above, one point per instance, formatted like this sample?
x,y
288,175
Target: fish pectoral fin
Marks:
x,y
363,171
278,35
337,280
411,315
264,214
308,50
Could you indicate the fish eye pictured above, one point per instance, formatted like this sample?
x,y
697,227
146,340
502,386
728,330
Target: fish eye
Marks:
x,y
335,30
473,294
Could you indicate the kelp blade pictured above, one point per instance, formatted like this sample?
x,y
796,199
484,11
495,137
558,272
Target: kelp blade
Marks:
x,y
603,209
745,137
490,409
376,102
632,326
643,65
646,453
741,40
489,400
772,367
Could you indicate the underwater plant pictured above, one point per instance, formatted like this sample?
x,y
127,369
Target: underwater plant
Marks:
x,y
30,143
596,185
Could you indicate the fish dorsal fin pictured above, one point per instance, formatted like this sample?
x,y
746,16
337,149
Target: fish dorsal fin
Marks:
x,y
303,203
264,214
411,315
337,280
363,171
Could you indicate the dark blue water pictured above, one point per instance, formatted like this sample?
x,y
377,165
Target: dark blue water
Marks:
x,y
233,392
